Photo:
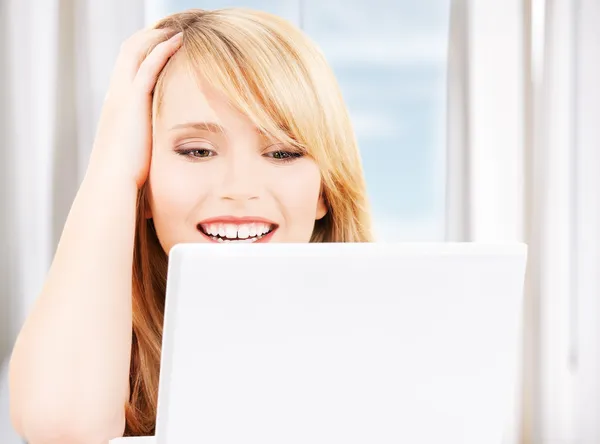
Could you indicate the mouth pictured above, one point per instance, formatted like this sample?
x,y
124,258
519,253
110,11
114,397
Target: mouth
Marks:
x,y
246,231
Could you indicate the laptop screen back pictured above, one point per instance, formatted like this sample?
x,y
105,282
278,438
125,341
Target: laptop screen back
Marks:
x,y
340,343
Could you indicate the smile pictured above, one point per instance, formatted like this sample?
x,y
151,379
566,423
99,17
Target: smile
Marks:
x,y
241,231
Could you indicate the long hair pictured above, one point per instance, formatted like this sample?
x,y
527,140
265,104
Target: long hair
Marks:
x,y
274,74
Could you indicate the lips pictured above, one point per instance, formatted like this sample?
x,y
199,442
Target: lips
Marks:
x,y
238,230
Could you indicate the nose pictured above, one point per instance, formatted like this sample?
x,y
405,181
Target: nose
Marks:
x,y
241,181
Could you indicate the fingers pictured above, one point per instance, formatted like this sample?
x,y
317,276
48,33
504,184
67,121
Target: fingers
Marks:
x,y
153,64
137,47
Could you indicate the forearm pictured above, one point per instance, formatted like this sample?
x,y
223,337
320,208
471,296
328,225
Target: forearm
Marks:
x,y
72,356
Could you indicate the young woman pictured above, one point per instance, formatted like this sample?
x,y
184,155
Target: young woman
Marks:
x,y
219,126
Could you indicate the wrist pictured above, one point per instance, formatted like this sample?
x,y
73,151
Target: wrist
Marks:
x,y
109,176
111,183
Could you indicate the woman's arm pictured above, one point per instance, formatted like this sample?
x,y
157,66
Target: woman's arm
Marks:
x,y
69,374
70,365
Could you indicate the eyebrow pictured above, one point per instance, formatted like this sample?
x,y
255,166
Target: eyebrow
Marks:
x,y
211,127
203,126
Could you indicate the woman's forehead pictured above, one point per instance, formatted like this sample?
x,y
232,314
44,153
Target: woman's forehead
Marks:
x,y
184,96
188,101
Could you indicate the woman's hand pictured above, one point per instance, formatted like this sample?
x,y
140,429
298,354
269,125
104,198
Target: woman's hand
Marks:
x,y
123,142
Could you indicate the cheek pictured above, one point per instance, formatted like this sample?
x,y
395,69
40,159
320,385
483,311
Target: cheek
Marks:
x,y
173,195
298,190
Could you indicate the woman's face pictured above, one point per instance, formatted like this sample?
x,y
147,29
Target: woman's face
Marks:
x,y
215,178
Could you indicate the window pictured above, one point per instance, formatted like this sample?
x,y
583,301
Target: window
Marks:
x,y
391,65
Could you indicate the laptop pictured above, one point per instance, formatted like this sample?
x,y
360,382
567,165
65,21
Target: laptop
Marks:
x,y
340,343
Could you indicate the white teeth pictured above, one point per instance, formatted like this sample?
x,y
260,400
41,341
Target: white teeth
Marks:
x,y
250,232
243,232
230,231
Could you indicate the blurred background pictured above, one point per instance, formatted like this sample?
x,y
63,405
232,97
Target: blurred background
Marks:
x,y
478,120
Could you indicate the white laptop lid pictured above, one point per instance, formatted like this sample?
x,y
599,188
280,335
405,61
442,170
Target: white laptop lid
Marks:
x,y
340,343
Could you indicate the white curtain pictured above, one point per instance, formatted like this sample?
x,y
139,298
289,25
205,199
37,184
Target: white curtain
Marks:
x,y
586,268
524,165
57,57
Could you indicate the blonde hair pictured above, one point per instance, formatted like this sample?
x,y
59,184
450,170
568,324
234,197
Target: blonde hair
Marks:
x,y
270,71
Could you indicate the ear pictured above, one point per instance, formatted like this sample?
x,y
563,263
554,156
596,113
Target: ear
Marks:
x,y
321,208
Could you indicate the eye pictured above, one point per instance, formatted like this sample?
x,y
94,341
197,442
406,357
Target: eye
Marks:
x,y
284,156
197,153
